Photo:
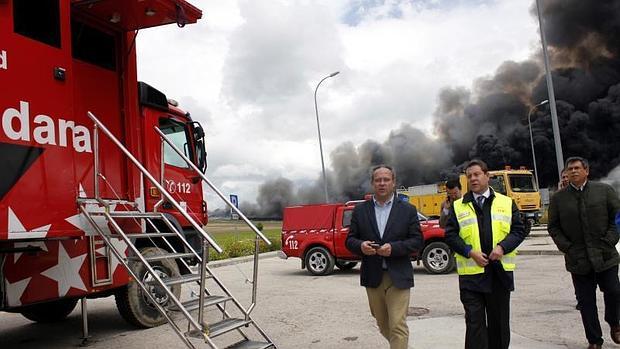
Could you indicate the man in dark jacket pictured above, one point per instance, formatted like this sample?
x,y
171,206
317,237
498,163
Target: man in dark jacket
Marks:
x,y
385,231
484,229
581,223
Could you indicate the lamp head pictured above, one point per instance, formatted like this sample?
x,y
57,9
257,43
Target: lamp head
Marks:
x,y
334,74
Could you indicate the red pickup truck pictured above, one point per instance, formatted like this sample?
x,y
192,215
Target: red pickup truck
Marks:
x,y
316,234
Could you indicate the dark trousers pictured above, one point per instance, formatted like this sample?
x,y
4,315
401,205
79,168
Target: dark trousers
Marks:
x,y
585,288
487,318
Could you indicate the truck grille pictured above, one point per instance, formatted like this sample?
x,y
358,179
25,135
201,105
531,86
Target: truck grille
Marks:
x,y
528,207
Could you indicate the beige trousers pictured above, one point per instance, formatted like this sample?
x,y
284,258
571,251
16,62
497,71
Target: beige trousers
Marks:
x,y
389,305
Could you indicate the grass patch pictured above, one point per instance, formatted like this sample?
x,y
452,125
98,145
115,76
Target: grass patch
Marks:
x,y
239,240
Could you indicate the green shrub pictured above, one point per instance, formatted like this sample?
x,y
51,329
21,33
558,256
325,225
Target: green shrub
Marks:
x,y
244,247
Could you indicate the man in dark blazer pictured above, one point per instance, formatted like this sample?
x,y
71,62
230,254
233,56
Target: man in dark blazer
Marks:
x,y
581,223
385,231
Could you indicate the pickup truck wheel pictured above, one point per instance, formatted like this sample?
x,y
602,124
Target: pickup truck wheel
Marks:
x,y
345,265
49,312
437,258
134,305
319,261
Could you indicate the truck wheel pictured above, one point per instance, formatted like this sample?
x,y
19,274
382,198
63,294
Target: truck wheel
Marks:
x,y
135,306
345,265
438,258
319,261
50,311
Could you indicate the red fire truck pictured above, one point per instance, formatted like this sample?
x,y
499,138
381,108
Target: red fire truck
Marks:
x,y
80,216
316,234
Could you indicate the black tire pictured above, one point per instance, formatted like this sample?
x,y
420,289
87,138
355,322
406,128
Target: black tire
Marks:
x,y
437,258
345,265
49,311
319,261
133,305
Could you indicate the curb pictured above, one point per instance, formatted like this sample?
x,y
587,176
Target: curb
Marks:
x,y
538,235
237,260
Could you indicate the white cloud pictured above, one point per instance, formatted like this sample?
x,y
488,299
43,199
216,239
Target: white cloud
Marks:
x,y
248,71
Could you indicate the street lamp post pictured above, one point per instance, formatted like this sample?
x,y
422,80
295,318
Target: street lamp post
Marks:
x,y
529,122
554,113
318,127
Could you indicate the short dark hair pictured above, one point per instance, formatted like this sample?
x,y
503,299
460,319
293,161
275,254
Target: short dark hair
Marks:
x,y
477,162
453,183
572,159
372,172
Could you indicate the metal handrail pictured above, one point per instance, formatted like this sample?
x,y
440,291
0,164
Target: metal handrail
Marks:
x,y
155,182
245,219
212,186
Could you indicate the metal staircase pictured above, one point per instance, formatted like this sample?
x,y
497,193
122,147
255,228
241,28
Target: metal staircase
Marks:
x,y
207,315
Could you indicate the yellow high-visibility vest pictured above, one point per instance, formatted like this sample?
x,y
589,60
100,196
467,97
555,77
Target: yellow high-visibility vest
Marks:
x,y
501,217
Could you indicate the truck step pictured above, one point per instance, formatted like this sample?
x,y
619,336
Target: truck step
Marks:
x,y
226,326
150,235
163,256
183,279
130,214
219,328
248,344
193,303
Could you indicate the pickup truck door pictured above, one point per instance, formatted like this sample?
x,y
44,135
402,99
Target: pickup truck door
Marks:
x,y
341,229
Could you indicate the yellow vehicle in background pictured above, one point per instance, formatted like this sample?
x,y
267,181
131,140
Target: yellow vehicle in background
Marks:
x,y
517,184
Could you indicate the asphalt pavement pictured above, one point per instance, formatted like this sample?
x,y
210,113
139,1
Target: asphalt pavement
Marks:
x,y
299,310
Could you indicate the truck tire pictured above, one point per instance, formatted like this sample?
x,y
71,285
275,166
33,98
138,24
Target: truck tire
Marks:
x,y
437,258
50,311
319,261
345,265
133,305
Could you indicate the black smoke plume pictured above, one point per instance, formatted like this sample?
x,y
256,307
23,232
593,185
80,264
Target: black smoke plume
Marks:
x,y
489,121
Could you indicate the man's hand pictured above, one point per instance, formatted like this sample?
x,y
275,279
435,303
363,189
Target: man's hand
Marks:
x,y
385,250
447,204
479,257
497,253
367,249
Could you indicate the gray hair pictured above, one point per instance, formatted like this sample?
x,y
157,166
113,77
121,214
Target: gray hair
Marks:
x,y
583,161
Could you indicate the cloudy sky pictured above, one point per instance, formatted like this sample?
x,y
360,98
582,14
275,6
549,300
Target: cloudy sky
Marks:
x,y
247,71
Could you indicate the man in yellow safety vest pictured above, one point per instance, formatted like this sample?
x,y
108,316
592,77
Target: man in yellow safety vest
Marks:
x,y
484,229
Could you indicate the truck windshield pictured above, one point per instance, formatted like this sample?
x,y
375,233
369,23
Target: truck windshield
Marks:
x,y
522,183
497,183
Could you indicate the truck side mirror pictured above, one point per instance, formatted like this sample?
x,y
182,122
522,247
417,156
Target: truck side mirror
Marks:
x,y
201,152
199,133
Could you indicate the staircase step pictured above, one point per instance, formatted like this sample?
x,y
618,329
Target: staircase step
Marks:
x,y
249,344
150,235
163,256
133,214
193,303
183,279
226,326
